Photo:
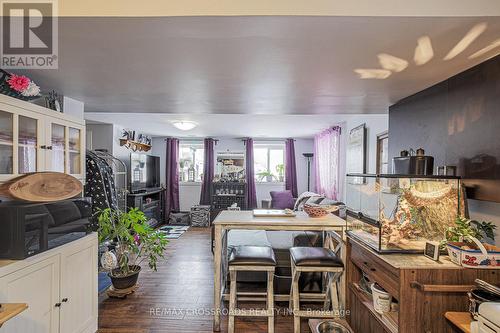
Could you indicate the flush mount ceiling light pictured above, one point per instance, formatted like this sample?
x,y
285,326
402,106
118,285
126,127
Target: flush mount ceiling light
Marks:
x,y
373,73
392,63
423,52
464,43
485,50
184,125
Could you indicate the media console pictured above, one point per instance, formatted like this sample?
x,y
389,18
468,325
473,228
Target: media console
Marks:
x,y
151,202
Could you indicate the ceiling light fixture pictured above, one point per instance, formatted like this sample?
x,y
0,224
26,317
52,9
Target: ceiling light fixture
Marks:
x,y
184,125
423,52
373,73
486,49
464,43
392,63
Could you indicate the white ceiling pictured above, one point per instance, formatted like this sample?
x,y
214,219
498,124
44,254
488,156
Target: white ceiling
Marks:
x,y
233,125
252,65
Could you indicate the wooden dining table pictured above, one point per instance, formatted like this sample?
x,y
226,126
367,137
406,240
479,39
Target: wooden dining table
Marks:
x,y
245,220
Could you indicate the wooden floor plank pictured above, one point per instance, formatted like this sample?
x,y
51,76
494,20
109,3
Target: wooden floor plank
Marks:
x,y
179,297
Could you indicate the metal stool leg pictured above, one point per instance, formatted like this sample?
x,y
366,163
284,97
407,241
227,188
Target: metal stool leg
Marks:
x,y
232,301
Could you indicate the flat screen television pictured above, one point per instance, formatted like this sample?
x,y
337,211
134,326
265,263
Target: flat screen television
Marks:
x,y
144,172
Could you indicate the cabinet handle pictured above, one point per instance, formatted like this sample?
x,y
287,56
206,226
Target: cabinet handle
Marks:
x,y
43,147
64,300
450,288
58,305
49,147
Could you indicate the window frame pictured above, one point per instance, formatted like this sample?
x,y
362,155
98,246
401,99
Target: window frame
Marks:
x,y
269,147
381,137
190,143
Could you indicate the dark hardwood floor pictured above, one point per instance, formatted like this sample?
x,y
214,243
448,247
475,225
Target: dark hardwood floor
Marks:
x,y
179,297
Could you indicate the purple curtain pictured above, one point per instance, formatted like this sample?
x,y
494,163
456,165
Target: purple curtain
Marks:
x,y
171,176
250,177
326,162
290,168
208,172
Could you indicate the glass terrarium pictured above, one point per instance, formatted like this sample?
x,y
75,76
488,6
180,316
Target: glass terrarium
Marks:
x,y
399,213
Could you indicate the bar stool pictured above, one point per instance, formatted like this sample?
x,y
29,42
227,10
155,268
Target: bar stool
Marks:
x,y
256,259
316,259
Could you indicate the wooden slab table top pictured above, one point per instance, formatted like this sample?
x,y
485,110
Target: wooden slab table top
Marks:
x,y
10,310
461,320
244,220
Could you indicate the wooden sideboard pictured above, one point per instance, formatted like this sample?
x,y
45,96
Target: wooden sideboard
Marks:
x,y
424,289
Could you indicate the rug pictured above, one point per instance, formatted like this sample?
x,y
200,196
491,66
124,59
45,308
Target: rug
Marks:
x,y
103,282
173,231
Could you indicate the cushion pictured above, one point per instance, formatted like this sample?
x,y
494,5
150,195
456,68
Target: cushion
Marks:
x,y
315,256
282,199
252,255
64,211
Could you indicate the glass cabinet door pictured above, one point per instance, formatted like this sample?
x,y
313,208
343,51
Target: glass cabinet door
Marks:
x,y
6,142
58,147
27,144
74,151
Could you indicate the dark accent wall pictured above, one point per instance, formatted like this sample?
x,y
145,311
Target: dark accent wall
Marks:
x,y
458,122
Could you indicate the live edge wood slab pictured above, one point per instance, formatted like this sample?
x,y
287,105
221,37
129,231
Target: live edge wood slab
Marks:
x,y
425,290
10,310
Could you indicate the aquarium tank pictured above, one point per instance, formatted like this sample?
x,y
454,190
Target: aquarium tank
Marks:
x,y
399,213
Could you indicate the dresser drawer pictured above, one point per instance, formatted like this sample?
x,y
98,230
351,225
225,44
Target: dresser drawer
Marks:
x,y
376,269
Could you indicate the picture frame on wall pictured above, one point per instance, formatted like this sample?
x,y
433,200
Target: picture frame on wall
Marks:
x,y
356,153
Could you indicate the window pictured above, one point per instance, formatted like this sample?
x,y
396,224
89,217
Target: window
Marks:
x,y
269,162
383,153
191,159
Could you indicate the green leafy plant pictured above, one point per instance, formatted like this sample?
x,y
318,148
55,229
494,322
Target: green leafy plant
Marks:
x,y
135,240
280,169
465,228
266,174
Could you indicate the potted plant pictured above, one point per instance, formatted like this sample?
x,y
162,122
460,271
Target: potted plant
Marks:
x,y
280,169
134,241
267,175
463,242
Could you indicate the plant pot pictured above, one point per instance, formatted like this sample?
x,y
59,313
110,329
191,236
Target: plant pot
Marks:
x,y
124,282
269,179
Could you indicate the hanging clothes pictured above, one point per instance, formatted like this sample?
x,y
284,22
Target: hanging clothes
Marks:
x,y
100,185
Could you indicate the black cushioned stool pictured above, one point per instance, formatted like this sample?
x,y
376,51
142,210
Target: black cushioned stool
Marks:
x,y
257,259
316,259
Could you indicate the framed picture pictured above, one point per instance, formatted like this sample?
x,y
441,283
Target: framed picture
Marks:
x,y
54,101
356,153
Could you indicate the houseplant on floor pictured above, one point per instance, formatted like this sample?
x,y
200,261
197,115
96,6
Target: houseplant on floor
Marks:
x,y
134,241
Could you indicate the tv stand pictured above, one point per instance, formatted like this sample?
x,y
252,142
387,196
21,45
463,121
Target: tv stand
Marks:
x,y
151,202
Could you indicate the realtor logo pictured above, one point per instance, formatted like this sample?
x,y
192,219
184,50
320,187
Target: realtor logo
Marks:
x,y
29,34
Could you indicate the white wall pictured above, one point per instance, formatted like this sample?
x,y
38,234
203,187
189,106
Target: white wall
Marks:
x,y
102,136
189,193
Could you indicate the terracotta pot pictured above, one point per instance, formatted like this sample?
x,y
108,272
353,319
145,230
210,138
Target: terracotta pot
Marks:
x,y
124,282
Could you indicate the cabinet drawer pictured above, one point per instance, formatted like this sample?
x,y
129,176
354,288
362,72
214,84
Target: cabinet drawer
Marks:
x,y
376,269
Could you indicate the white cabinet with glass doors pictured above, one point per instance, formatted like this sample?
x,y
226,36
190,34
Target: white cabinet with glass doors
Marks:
x,y
35,139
